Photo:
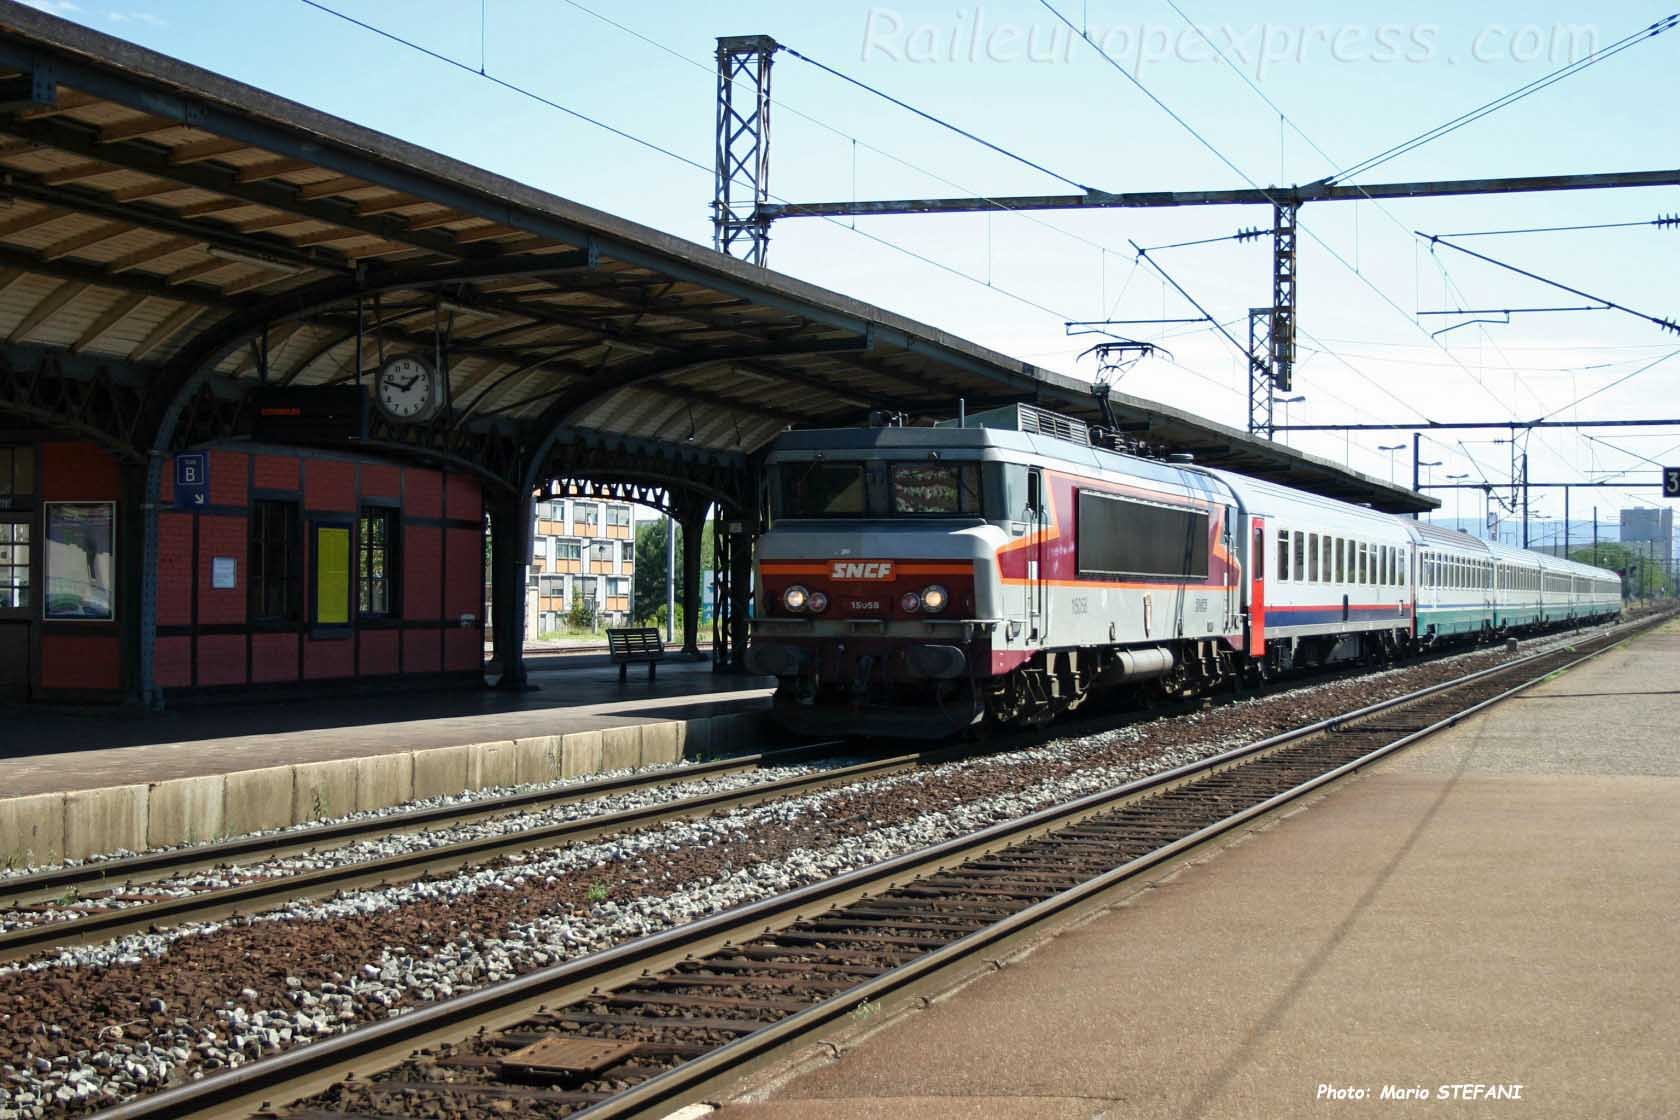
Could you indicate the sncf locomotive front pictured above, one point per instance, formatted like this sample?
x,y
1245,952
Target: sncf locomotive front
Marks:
x,y
878,584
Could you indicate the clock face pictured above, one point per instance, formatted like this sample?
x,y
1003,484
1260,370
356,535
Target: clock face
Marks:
x,y
406,389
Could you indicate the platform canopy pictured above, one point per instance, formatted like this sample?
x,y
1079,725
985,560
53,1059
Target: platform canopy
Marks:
x,y
171,238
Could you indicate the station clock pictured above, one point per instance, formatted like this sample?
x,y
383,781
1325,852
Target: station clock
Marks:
x,y
408,390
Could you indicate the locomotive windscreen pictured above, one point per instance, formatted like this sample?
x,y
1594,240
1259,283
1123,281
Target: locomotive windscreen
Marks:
x,y
1119,538
820,490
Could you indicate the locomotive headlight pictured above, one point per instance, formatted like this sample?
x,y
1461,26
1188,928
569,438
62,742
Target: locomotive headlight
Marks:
x,y
817,602
910,602
935,598
795,598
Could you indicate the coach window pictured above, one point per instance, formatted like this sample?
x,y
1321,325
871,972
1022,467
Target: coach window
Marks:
x,y
1300,555
1341,559
1283,555
1312,557
1373,566
1326,564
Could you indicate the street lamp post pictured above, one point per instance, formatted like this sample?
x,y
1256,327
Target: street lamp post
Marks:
x,y
1428,477
1391,448
1458,501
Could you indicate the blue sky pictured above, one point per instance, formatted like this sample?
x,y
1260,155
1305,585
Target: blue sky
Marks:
x,y
1354,78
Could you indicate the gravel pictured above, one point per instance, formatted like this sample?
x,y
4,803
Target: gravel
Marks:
x,y
87,1026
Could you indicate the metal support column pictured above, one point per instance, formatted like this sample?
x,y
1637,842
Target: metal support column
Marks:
x,y
741,167
1281,337
1260,404
1417,469
743,539
511,521
722,574
693,531
1525,497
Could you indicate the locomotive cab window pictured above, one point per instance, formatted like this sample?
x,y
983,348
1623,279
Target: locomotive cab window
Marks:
x,y
819,489
942,489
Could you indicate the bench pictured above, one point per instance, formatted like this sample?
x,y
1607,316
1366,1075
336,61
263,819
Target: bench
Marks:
x,y
634,645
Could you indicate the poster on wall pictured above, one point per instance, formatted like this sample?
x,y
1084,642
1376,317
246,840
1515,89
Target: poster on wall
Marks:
x,y
332,576
81,561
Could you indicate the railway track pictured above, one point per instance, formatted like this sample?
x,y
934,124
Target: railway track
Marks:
x,y
655,1021
114,898
116,879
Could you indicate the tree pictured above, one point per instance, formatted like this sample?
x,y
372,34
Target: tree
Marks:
x,y
1643,575
648,586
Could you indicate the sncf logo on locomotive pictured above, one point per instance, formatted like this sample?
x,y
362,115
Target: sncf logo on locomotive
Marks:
x,y
877,570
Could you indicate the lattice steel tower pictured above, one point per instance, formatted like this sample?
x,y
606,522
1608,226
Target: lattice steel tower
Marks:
x,y
742,165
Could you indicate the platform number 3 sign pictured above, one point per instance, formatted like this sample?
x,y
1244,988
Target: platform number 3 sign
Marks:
x,y
1671,482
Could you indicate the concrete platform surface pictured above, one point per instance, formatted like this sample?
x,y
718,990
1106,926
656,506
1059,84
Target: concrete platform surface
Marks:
x,y
48,751
1496,908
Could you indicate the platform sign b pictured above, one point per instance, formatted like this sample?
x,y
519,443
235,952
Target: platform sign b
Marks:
x,y
1671,482
192,479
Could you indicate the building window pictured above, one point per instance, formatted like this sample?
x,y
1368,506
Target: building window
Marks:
x,y
602,552
618,517
376,560
627,551
568,550
14,565
275,584
585,519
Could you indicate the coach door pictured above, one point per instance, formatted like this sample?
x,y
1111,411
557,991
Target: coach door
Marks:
x,y
1257,590
1038,618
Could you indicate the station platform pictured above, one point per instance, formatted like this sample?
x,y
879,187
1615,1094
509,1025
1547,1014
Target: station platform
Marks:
x,y
118,778
1494,907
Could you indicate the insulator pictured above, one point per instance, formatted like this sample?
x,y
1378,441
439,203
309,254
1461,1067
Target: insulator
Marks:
x,y
1667,221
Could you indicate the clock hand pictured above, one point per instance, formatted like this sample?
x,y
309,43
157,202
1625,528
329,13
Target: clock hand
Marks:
x,y
405,386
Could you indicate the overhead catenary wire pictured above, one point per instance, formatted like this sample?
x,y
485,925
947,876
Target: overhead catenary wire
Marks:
x,y
1667,23
522,91
1663,221
1665,324
934,119
1653,364
1106,57
855,141
1433,341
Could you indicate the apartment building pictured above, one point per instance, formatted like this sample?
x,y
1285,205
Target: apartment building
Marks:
x,y
580,550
